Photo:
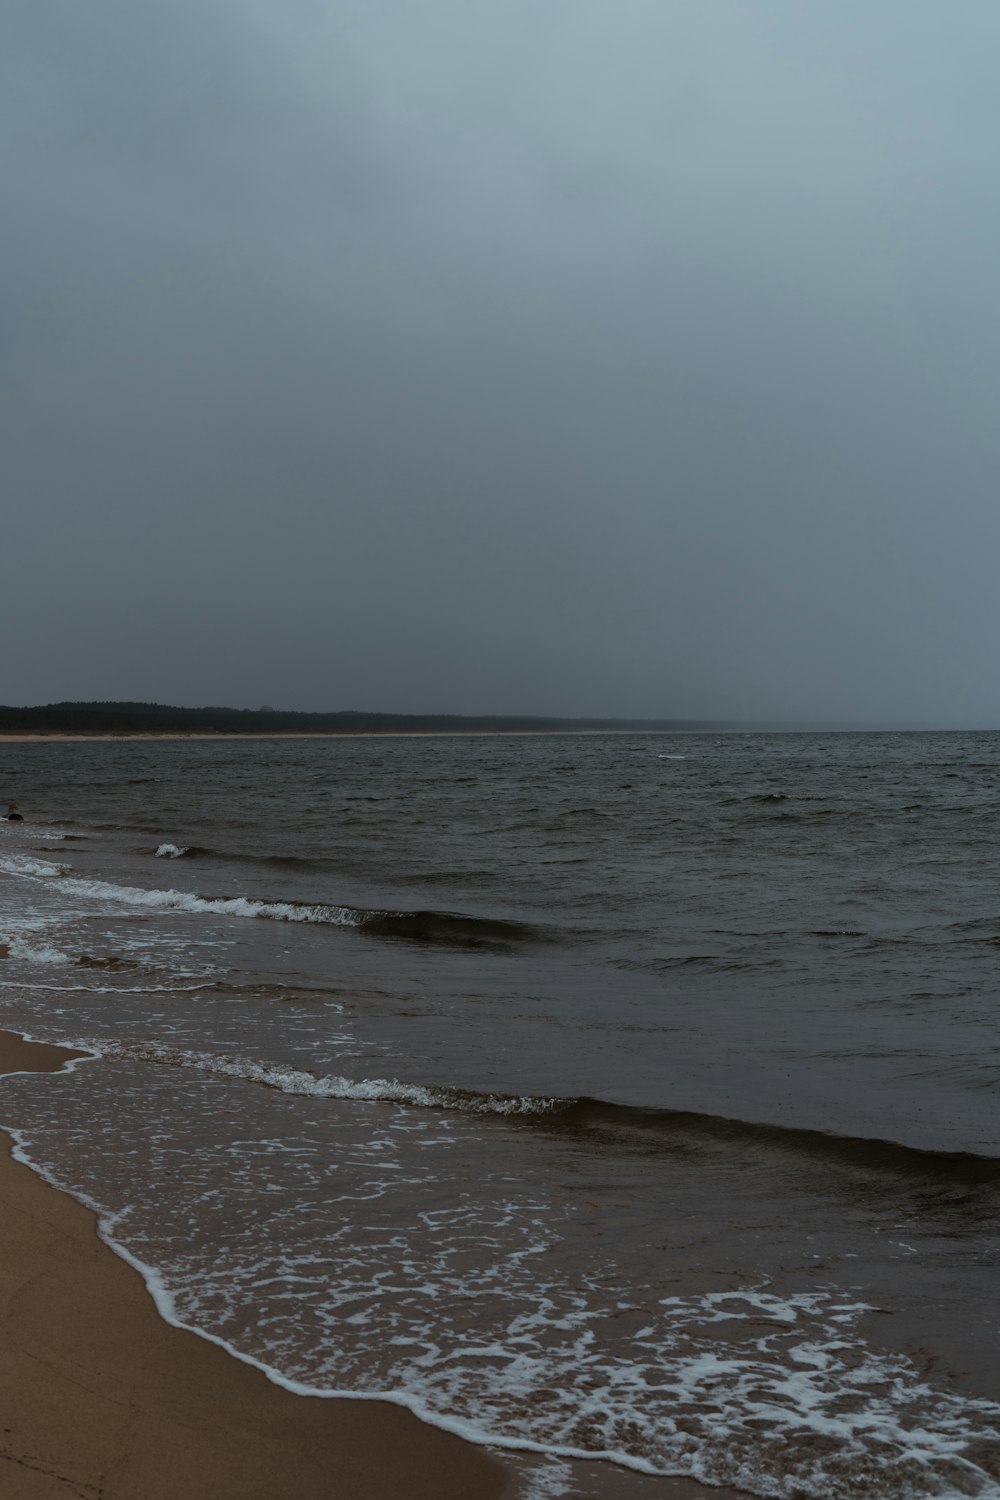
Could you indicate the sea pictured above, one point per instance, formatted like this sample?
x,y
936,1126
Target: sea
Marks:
x,y
626,1103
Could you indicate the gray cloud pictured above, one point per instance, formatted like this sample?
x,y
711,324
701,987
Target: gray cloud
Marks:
x,y
631,359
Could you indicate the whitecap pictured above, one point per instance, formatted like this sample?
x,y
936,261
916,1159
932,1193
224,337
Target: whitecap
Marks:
x,y
292,1080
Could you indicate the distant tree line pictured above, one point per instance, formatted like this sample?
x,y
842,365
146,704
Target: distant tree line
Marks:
x,y
160,718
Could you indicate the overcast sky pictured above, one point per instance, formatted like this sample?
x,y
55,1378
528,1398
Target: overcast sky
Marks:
x,y
631,357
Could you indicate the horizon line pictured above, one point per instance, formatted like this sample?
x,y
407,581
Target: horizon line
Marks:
x,y
662,724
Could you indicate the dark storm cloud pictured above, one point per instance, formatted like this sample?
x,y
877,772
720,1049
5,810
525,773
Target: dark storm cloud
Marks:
x,y
630,359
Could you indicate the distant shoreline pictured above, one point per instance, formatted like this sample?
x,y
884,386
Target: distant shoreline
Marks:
x,y
78,721
128,720
78,737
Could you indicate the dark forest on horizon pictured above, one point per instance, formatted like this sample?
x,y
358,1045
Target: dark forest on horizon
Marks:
x,y
158,718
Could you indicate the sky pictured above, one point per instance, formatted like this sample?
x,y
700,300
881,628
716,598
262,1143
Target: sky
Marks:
x,y
585,357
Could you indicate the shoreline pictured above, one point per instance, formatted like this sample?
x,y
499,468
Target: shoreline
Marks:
x,y
100,736
106,1398
103,1398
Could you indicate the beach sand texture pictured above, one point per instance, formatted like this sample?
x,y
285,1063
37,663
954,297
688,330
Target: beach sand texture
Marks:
x,y
103,1400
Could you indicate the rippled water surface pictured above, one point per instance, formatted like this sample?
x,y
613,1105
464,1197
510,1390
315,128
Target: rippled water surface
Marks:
x,y
632,1096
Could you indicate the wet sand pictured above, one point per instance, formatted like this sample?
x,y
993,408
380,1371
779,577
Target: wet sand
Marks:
x,y
103,1400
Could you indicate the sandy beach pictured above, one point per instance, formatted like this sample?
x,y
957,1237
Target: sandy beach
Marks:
x,y
103,1400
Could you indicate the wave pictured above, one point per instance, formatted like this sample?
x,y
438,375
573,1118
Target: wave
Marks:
x,y
968,1167
309,863
445,927
623,1124
238,857
21,947
290,1080
37,869
204,851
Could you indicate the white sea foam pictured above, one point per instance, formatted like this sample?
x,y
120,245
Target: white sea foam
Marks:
x,y
171,900
185,901
12,863
170,851
27,937
290,1080
33,952
549,1481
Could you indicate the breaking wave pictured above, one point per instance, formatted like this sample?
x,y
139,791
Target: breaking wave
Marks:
x,y
623,1125
35,869
417,926
290,1080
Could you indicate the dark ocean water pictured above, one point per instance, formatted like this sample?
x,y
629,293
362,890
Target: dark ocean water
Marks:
x,y
595,1095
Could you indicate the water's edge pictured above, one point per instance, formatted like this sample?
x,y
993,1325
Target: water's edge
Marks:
x,y
165,1306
